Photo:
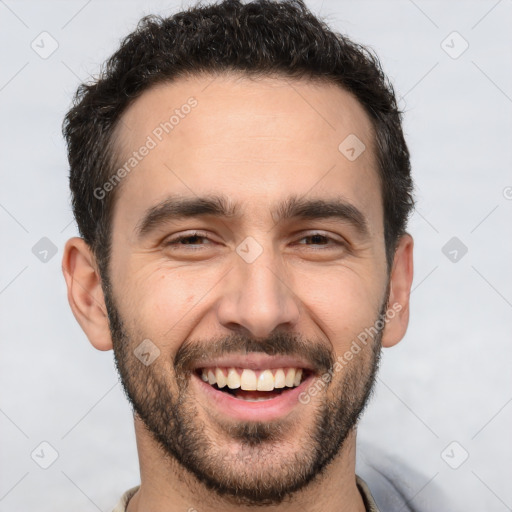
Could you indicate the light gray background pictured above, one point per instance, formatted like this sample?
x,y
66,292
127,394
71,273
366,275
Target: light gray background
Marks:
x,y
448,380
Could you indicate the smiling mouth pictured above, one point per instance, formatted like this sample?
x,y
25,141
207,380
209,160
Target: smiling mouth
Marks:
x,y
253,385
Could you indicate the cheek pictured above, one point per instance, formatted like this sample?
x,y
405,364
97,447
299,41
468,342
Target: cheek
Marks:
x,y
342,301
162,302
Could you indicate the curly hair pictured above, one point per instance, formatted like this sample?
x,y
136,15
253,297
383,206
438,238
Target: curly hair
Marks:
x,y
261,38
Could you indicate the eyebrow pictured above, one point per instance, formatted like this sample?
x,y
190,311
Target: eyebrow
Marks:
x,y
219,206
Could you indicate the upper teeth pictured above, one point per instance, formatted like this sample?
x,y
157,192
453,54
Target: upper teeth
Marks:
x,y
250,380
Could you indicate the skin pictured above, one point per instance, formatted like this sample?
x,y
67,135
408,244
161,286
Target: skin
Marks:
x,y
257,142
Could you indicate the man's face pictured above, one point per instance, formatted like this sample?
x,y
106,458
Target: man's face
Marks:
x,y
275,285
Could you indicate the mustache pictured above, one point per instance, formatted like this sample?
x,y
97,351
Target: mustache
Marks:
x,y
278,343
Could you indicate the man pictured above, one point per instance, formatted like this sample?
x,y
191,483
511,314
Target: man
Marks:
x,y
242,186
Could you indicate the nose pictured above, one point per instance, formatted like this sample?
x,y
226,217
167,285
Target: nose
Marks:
x,y
256,298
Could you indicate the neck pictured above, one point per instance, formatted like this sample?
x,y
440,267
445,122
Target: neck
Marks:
x,y
166,486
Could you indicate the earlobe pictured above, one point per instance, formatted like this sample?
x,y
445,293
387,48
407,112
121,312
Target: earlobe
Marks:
x,y
85,294
399,292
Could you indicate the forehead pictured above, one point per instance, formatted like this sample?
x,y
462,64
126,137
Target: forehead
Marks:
x,y
254,140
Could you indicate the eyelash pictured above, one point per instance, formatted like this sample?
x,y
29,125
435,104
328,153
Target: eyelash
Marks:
x,y
196,234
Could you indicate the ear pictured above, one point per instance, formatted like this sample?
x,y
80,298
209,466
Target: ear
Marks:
x,y
399,292
85,294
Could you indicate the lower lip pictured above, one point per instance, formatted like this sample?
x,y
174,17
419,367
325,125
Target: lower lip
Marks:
x,y
243,410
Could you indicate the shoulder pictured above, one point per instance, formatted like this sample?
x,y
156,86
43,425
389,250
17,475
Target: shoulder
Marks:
x,y
396,486
125,498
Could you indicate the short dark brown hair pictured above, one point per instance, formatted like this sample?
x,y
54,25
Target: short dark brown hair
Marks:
x,y
261,38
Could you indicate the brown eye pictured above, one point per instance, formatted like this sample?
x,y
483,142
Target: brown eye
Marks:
x,y
320,239
191,240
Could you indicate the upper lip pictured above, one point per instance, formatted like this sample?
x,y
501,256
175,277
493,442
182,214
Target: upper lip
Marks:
x,y
255,362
